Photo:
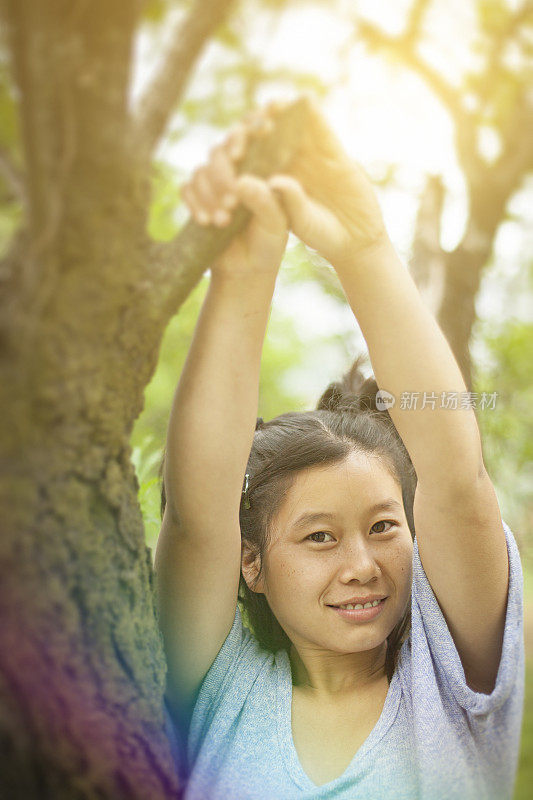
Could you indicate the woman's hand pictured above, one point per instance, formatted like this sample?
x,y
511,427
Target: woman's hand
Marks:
x,y
215,190
330,202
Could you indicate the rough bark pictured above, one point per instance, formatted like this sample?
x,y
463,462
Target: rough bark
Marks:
x,y
83,306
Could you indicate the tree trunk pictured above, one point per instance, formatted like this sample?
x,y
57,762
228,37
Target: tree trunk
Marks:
x,y
81,662
82,669
85,298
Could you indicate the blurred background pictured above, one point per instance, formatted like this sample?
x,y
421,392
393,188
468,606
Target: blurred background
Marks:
x,y
435,100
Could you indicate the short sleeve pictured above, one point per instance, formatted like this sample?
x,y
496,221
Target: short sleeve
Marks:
x,y
227,682
444,655
212,686
223,668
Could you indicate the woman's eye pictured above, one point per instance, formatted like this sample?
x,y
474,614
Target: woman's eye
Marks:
x,y
318,533
383,522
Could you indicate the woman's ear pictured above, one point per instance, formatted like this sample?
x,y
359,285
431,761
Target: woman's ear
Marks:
x,y
251,566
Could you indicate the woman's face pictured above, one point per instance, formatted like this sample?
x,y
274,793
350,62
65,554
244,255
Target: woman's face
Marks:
x,y
351,550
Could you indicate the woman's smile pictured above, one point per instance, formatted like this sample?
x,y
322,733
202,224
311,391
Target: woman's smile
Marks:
x,y
360,613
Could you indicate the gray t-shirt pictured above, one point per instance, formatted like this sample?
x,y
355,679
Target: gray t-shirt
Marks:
x,y
436,738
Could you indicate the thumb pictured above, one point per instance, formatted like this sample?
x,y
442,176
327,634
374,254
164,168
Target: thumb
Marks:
x,y
304,214
257,196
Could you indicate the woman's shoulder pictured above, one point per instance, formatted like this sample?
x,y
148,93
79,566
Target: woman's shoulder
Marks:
x,y
429,661
241,668
241,657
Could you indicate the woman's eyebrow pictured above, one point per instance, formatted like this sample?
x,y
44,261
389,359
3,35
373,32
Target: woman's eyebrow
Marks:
x,y
389,504
313,517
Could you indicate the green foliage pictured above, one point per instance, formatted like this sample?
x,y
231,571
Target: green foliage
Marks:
x,y
493,16
229,37
511,430
156,11
234,90
10,219
507,431
220,108
9,131
146,458
11,211
308,265
167,213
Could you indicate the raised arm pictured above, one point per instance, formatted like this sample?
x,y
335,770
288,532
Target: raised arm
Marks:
x,y
456,514
210,431
332,207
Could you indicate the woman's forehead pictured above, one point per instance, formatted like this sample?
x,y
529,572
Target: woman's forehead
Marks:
x,y
357,484
357,470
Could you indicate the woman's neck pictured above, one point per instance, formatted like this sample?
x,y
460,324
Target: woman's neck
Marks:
x,y
337,674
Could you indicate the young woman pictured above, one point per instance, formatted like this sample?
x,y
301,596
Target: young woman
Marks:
x,y
379,664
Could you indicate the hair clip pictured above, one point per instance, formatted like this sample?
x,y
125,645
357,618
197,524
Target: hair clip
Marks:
x,y
246,502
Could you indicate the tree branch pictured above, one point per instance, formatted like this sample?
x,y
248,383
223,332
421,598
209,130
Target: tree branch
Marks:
x,y
177,266
403,48
516,159
516,22
166,88
416,20
71,68
427,263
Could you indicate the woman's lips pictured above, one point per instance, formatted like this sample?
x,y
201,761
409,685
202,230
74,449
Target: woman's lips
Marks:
x,y
360,614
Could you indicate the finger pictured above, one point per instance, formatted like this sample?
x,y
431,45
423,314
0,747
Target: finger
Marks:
x,y
257,122
263,124
254,124
260,200
277,105
210,185
202,200
223,172
291,195
194,205
236,142
306,217
213,187
205,193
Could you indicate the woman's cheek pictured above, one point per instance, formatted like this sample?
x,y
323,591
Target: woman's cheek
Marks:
x,y
293,576
405,560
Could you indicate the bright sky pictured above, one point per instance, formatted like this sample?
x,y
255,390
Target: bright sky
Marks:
x,y
383,114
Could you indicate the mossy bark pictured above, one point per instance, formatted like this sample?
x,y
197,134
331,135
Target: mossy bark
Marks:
x,y
84,300
81,662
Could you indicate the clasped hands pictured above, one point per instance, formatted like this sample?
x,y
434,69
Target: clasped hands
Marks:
x,y
324,198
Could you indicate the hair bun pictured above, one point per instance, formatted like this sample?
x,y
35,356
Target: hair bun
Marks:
x,y
353,392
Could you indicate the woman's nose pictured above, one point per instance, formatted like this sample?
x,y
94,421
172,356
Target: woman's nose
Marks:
x,y
357,560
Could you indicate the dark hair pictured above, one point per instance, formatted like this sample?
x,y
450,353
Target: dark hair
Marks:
x,y
346,419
